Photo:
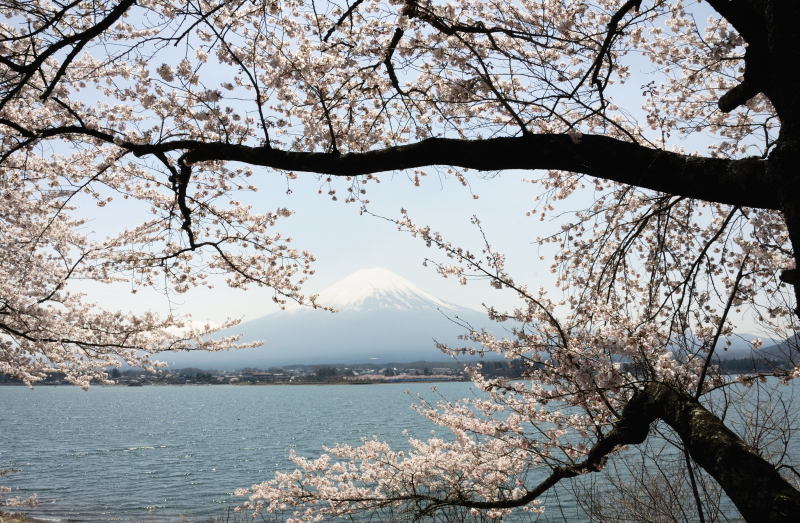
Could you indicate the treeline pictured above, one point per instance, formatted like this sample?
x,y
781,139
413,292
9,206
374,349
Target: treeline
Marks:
x,y
733,366
751,365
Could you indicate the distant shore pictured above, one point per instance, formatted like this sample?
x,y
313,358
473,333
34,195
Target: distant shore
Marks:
x,y
335,374
247,384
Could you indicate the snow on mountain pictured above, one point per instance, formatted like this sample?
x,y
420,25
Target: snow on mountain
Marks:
x,y
377,288
381,317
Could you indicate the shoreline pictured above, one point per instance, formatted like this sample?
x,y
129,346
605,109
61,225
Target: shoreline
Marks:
x,y
243,384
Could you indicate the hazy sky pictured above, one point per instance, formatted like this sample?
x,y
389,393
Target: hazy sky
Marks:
x,y
344,241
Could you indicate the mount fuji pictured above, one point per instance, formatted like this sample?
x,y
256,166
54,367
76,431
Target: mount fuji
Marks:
x,y
380,317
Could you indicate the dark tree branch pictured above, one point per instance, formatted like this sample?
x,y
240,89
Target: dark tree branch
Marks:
x,y
412,9
733,182
631,429
341,19
79,40
752,83
741,15
712,347
387,61
693,482
181,184
738,96
753,484
789,276
605,48
48,23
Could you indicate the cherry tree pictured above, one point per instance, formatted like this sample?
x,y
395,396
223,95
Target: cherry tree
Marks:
x,y
178,105
48,174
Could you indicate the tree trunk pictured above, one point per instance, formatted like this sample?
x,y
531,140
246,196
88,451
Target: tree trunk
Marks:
x,y
752,483
783,168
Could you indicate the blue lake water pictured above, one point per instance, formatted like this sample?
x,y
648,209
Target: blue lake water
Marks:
x,y
156,453
162,453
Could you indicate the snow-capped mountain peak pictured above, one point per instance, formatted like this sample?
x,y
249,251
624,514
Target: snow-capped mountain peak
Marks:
x,y
377,288
380,316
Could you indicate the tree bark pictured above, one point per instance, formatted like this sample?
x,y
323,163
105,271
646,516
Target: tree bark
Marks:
x,y
734,182
783,167
751,482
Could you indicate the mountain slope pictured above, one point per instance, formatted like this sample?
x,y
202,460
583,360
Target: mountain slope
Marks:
x,y
380,317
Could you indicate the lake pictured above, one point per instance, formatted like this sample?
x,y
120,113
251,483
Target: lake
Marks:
x,y
155,453
159,453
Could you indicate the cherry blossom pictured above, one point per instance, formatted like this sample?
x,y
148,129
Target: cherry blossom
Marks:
x,y
693,220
